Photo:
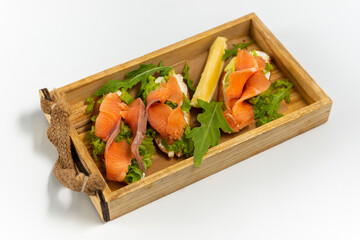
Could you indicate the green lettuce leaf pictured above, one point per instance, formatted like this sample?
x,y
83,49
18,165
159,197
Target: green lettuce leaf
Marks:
x,y
233,52
126,97
101,99
185,145
208,134
267,103
134,174
125,133
149,87
253,52
90,101
93,118
147,151
98,145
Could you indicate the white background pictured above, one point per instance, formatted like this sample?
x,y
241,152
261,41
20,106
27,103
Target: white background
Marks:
x,y
305,188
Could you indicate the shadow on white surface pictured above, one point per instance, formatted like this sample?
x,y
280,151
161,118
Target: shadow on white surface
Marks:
x,y
69,205
64,204
35,125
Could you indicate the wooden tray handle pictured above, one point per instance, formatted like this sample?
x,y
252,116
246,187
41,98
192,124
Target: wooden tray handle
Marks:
x,y
68,170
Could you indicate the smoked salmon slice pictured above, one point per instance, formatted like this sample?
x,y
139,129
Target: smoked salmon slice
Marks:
x,y
244,60
107,126
158,115
243,113
168,122
175,124
158,95
117,159
168,91
109,115
174,92
260,62
255,85
237,82
135,117
247,81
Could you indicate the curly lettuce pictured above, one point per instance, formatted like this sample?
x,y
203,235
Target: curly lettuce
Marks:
x,y
185,145
125,133
147,151
98,145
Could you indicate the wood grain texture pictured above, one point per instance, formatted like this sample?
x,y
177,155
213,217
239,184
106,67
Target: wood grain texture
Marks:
x,y
309,107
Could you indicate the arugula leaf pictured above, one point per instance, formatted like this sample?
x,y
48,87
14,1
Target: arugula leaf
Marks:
x,y
267,103
186,105
141,69
164,72
134,78
90,106
208,134
233,52
126,97
189,82
98,145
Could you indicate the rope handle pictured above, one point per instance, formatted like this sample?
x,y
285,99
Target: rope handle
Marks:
x,y
75,178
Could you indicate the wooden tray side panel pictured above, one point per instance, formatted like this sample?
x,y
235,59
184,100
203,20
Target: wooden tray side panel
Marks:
x,y
218,158
285,61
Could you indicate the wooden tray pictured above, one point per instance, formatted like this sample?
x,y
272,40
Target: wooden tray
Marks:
x,y
309,107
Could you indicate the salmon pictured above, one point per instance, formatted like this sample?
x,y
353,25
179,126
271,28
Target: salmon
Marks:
x,y
237,82
135,117
244,60
174,92
168,91
117,159
243,113
158,115
132,113
175,124
109,115
231,120
158,95
255,85
247,81
260,62
168,122
107,126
